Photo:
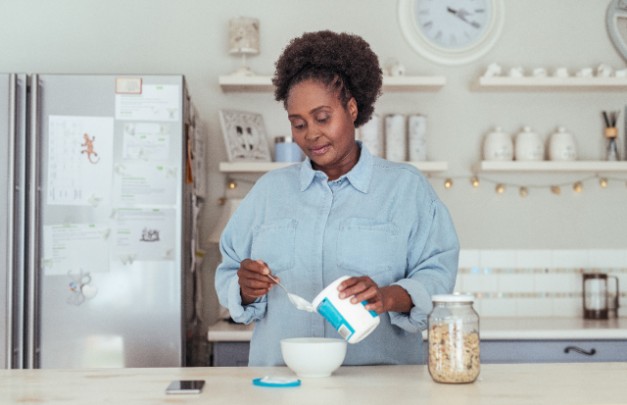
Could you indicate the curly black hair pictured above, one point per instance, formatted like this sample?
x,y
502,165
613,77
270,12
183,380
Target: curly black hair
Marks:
x,y
343,62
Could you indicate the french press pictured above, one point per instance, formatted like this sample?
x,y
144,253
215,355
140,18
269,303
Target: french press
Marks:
x,y
599,302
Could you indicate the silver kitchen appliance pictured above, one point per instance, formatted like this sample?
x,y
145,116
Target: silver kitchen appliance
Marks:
x,y
99,206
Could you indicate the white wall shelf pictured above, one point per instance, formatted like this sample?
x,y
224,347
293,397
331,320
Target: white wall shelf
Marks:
x,y
552,83
395,83
552,166
262,167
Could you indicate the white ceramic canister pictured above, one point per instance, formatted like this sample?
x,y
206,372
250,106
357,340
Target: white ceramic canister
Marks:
x,y
352,321
395,138
371,135
417,138
498,145
562,145
529,145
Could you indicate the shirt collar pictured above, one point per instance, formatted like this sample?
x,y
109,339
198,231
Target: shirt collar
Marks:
x,y
359,176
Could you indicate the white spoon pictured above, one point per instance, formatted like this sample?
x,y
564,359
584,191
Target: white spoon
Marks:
x,y
298,301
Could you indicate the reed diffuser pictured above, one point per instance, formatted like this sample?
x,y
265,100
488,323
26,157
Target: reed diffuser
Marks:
x,y
611,133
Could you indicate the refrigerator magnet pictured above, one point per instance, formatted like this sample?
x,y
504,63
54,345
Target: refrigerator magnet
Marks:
x,y
128,85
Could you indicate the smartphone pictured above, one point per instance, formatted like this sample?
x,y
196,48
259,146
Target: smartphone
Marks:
x,y
185,387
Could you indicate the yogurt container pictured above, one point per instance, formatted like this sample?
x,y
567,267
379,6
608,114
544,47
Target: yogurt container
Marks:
x,y
352,321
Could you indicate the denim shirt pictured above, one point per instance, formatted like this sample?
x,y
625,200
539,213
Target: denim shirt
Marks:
x,y
382,219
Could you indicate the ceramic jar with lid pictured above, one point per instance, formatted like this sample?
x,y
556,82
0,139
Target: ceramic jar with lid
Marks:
x,y
562,145
529,145
453,339
498,145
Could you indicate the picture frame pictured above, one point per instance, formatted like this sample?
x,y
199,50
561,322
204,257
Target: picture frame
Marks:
x,y
245,136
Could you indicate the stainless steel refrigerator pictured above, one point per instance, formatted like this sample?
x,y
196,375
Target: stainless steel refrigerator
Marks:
x,y
97,212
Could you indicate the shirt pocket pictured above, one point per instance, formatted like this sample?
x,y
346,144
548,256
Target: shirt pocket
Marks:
x,y
274,243
371,248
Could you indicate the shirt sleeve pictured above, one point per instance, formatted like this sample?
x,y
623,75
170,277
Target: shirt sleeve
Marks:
x,y
235,247
432,269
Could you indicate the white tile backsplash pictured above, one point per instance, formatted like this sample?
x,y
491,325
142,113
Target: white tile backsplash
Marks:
x,y
602,258
515,283
534,282
468,258
567,259
568,307
497,258
473,283
562,282
535,307
533,259
494,307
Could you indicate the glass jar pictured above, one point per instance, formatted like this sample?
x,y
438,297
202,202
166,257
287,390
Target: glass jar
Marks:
x,y
453,339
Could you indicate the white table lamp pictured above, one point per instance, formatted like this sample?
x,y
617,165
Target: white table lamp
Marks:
x,y
244,40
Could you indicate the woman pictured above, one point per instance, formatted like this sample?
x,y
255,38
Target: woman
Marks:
x,y
340,212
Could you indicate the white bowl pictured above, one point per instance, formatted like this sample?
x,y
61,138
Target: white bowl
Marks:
x,y
313,357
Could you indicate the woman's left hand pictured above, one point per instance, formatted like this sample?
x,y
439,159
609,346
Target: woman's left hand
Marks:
x,y
380,299
363,289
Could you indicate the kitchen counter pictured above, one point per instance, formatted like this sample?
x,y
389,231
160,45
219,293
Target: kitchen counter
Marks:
x,y
490,329
498,384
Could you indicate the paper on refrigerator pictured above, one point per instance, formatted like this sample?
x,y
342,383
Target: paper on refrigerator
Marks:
x,y
146,141
144,234
79,160
155,103
143,184
75,248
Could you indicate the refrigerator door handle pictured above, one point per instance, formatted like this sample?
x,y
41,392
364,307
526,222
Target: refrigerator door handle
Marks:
x,y
11,222
33,220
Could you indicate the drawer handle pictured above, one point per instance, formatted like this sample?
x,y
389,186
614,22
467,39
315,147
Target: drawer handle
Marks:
x,y
592,351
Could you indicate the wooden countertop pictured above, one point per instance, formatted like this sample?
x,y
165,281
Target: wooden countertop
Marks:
x,y
490,329
498,384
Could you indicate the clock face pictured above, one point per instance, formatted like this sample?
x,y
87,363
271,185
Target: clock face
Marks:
x,y
451,31
617,25
453,24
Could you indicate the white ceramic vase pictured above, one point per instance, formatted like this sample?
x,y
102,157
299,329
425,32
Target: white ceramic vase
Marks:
x,y
562,145
498,145
529,146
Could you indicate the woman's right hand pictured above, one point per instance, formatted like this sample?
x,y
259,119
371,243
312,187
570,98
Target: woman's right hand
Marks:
x,y
253,280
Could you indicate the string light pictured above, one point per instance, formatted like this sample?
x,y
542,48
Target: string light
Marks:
x,y
524,190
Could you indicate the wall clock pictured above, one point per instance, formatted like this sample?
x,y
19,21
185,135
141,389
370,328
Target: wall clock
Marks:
x,y
617,25
451,32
